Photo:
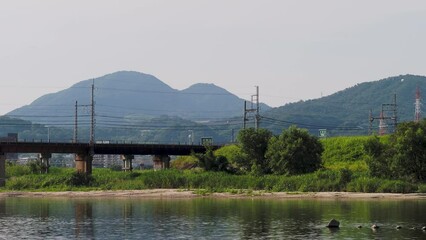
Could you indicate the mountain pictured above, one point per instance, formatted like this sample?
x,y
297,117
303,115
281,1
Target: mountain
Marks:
x,y
128,94
133,106
347,111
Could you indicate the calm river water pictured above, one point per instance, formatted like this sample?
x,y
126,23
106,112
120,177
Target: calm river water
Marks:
x,y
207,218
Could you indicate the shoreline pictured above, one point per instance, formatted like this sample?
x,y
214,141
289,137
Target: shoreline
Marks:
x,y
186,194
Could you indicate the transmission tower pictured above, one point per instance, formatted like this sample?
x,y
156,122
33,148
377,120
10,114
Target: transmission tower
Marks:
x,y
418,104
254,108
382,124
383,118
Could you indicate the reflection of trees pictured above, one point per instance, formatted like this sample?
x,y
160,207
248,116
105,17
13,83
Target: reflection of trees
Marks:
x,y
84,219
2,207
44,211
255,219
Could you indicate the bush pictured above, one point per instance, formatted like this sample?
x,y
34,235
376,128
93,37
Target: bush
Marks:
x,y
14,170
78,179
35,166
117,168
397,186
295,151
422,188
364,184
184,162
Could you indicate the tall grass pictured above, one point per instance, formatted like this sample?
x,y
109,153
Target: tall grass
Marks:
x,y
60,179
344,149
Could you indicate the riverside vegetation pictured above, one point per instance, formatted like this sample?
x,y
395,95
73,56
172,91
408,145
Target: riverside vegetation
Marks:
x,y
291,162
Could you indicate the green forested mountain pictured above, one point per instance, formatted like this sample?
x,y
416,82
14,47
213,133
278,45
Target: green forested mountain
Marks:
x,y
347,112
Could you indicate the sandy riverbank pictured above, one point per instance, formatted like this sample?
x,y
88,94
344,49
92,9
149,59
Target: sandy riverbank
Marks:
x,y
177,193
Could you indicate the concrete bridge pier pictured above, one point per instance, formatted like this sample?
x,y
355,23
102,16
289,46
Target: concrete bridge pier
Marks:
x,y
45,161
161,162
83,163
127,162
2,169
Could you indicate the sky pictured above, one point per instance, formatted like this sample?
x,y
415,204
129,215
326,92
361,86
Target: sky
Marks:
x,y
293,50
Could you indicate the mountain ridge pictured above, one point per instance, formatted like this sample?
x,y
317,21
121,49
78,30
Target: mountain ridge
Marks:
x,y
349,108
126,93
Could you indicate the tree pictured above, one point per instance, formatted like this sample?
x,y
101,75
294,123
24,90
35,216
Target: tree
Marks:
x,y
238,161
403,157
379,158
410,145
254,144
210,162
295,151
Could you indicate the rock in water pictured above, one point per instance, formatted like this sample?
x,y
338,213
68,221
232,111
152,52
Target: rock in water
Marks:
x,y
374,226
333,224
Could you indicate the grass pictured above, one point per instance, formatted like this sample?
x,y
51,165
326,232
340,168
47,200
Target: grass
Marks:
x,y
62,179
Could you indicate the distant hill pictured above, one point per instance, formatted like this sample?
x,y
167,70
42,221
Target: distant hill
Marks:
x,y
347,111
139,107
132,94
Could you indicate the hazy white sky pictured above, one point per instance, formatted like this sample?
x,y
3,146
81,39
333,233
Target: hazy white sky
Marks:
x,y
292,50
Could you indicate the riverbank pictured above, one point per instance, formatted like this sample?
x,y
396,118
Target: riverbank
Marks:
x,y
182,194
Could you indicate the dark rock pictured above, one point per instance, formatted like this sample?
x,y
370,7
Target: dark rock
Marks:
x,y
359,226
398,227
333,224
424,228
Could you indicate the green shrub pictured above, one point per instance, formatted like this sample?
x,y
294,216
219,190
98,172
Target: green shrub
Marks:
x,y
422,188
184,162
17,170
364,184
116,167
35,166
78,179
397,186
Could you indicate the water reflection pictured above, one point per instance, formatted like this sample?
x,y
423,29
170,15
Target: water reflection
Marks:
x,y
40,218
84,223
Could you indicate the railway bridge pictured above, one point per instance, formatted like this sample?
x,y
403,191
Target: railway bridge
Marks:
x,y
84,153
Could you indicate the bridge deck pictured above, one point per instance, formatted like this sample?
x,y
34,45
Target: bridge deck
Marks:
x,y
103,148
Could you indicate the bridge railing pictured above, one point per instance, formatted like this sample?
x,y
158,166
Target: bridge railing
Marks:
x,y
111,142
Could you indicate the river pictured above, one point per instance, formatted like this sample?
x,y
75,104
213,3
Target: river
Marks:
x,y
208,218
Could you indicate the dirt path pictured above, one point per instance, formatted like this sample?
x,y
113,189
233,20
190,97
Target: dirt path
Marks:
x,y
177,193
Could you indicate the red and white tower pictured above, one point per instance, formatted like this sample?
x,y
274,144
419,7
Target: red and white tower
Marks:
x,y
418,104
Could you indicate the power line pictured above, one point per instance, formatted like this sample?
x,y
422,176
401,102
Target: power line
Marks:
x,y
273,120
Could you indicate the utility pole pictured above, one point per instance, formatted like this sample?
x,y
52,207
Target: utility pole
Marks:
x,y
92,122
245,115
257,116
75,123
370,119
232,136
92,128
